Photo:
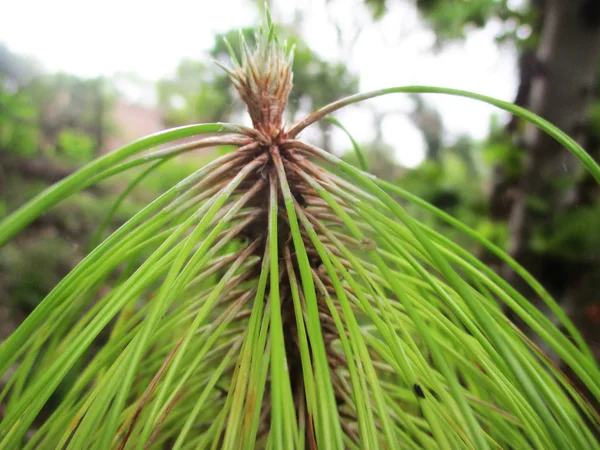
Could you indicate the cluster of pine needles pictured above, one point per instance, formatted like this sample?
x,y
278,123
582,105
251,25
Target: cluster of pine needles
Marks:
x,y
281,298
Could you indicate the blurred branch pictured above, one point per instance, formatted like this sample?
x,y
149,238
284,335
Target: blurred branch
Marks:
x,y
38,168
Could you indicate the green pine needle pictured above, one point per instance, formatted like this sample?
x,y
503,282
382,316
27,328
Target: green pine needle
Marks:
x,y
281,298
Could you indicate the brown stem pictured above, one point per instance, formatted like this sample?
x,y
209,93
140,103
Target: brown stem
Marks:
x,y
149,391
244,144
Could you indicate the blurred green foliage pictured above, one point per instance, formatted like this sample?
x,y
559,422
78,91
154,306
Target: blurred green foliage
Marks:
x,y
196,93
451,19
51,124
570,237
77,147
19,133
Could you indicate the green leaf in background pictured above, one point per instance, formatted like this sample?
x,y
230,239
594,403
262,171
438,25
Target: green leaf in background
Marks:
x,y
76,146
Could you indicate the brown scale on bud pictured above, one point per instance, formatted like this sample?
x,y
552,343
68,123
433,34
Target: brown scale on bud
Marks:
x,y
263,80
368,244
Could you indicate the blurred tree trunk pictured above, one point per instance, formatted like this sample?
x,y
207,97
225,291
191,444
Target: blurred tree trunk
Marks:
x,y
560,89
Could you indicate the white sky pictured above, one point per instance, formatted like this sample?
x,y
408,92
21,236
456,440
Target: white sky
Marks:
x,y
149,38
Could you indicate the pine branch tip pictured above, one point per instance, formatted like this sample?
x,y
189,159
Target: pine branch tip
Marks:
x,y
263,80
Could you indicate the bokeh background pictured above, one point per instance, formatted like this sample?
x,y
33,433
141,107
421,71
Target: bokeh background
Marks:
x,y
78,79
